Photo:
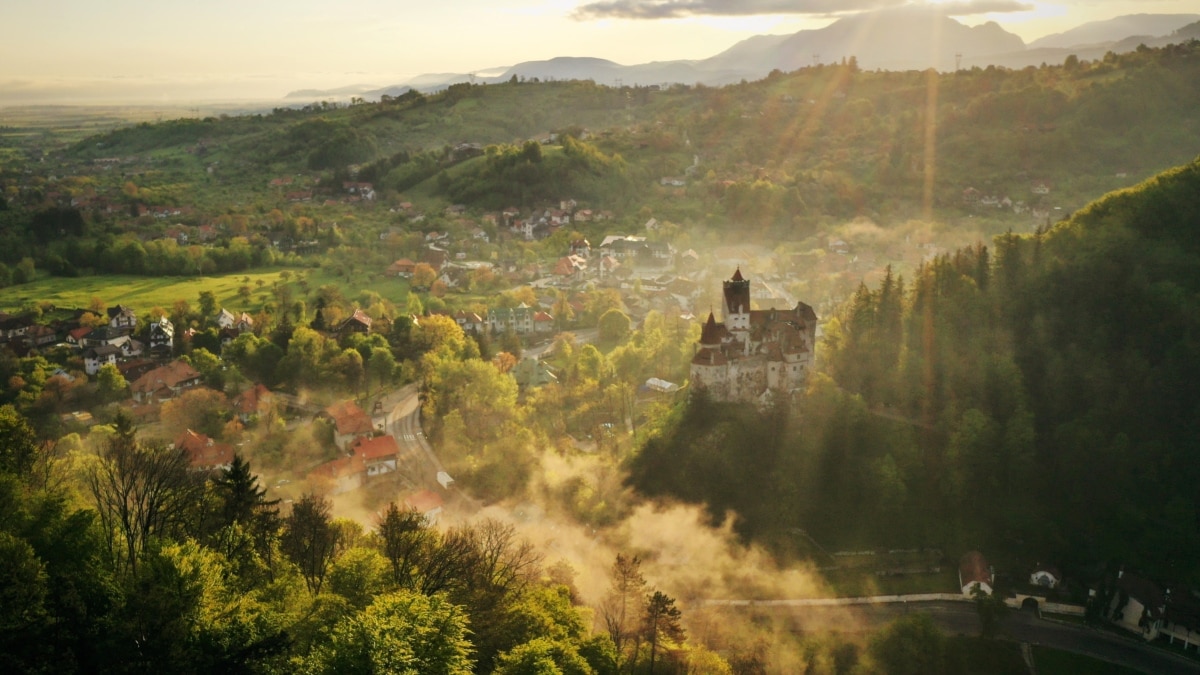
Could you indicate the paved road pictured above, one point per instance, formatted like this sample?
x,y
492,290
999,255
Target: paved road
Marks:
x,y
1021,626
582,337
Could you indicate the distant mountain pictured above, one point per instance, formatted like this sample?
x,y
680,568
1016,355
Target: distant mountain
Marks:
x,y
898,39
1114,30
910,38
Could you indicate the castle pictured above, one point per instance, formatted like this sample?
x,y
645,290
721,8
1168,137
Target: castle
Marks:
x,y
753,351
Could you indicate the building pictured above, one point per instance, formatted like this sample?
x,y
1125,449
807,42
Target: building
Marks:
x,y
974,573
203,453
518,319
97,357
162,337
165,382
753,352
349,421
122,318
378,454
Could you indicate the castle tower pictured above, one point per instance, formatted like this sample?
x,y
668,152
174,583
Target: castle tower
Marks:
x,y
736,309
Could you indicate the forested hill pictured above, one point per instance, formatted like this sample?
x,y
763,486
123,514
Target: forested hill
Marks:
x,y
1038,397
781,155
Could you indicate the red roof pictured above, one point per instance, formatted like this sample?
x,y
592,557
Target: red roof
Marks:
x,y
974,567
349,418
337,468
542,316
171,375
379,447
203,452
424,501
248,401
80,333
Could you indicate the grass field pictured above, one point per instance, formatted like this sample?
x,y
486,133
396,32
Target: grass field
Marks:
x,y
856,583
144,293
141,293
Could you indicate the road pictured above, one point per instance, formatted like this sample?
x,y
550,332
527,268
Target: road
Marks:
x,y
957,618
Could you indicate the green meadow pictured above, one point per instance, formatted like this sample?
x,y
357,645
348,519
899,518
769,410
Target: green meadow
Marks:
x,y
143,293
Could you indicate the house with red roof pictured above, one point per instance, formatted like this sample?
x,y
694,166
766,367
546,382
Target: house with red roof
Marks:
x,y
341,475
378,453
205,454
427,503
974,573
256,401
165,382
349,422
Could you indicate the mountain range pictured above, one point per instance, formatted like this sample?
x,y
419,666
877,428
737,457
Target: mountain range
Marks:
x,y
892,39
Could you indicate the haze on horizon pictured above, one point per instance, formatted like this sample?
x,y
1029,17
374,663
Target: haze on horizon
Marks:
x,y
171,51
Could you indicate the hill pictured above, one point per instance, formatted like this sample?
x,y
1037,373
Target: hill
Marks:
x,y
1116,29
1035,397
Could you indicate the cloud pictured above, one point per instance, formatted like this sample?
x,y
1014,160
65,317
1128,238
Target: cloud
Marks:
x,y
969,7
676,9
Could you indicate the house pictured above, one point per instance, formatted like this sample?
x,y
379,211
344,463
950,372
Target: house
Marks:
x,y
542,322
39,336
401,268
1046,576
358,322
470,322
1040,187
128,346
244,323
122,317
652,225
427,503
1138,605
203,453
76,337
256,401
581,248
165,382
12,327
349,422
342,474
378,453
224,319
974,573
672,181
104,335
570,268
517,319
162,337
97,357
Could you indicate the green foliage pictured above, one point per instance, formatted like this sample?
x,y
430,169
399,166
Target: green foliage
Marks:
x,y
402,633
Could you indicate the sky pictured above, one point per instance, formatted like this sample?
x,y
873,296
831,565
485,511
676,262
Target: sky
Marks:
x,y
176,50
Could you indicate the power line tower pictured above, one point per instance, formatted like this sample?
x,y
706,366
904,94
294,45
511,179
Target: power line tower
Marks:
x,y
958,61
816,60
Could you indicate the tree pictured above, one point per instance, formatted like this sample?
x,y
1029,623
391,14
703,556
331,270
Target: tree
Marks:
x,y
141,491
404,633
623,605
359,574
911,645
309,539
200,409
661,623
423,276
110,383
405,541
613,325
18,443
208,305
991,609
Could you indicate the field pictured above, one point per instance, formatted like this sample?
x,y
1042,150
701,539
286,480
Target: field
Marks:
x,y
143,293
1055,662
